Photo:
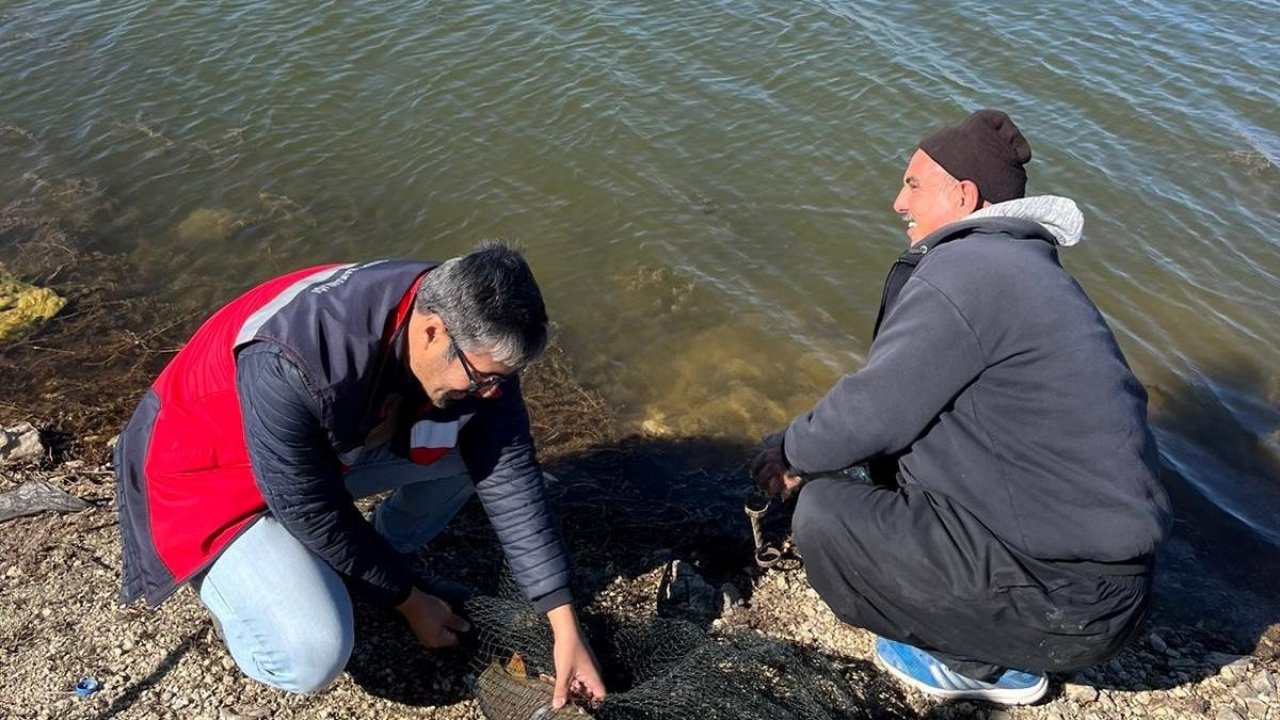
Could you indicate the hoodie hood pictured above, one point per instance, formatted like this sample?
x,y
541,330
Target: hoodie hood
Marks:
x,y
1059,215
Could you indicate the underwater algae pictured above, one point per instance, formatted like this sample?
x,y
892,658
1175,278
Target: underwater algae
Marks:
x,y
24,308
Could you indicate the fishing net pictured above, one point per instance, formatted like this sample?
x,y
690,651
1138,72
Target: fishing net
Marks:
x,y
663,668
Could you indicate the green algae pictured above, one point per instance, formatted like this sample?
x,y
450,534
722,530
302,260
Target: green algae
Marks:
x,y
24,308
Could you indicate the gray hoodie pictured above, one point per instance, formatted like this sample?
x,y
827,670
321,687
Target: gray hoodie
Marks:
x,y
995,381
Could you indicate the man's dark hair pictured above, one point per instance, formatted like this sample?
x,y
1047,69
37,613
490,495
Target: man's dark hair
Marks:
x,y
489,302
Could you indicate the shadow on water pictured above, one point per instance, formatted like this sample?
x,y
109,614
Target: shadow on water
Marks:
x,y
1218,568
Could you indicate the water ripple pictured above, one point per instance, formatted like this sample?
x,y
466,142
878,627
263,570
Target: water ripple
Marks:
x,y
752,148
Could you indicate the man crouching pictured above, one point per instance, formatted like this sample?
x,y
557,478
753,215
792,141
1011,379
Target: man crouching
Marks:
x,y
1014,508
239,470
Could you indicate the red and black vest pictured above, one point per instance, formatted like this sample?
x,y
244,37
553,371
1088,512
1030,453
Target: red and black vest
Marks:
x,y
185,485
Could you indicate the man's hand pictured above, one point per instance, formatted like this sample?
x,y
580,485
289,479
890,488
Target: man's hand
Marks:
x,y
576,671
771,475
433,622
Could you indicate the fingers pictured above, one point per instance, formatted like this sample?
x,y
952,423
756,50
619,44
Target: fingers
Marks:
x,y
433,621
790,483
591,686
457,623
586,686
561,694
445,615
443,639
765,469
770,479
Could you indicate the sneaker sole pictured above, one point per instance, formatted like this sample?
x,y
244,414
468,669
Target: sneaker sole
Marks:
x,y
1024,696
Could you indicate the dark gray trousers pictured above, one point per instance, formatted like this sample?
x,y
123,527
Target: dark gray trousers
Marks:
x,y
913,567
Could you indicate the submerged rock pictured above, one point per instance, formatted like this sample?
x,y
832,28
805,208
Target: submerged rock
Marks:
x,y
207,225
23,307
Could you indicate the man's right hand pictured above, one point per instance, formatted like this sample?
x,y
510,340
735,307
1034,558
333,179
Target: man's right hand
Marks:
x,y
769,470
432,620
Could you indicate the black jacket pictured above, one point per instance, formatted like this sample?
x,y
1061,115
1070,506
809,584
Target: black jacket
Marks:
x,y
995,381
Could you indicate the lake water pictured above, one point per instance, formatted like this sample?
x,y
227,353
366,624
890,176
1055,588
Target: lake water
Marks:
x,y
704,189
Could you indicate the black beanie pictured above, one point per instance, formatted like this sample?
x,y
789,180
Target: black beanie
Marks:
x,y
986,148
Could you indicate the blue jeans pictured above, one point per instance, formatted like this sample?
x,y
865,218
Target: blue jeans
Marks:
x,y
285,614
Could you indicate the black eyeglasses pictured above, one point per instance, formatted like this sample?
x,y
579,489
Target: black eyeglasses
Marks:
x,y
477,383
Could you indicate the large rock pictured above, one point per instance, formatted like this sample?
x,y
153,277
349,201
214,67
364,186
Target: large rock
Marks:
x,y
686,594
20,443
24,307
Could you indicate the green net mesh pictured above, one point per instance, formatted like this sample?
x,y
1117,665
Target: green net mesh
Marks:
x,y
662,668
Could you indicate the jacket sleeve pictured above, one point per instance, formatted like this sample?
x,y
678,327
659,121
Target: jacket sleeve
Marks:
x,y
498,450
301,478
925,354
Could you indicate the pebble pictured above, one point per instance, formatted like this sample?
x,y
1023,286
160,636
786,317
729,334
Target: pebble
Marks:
x,y
730,598
252,712
1228,714
1265,683
1257,707
1223,659
1158,643
1236,669
1083,694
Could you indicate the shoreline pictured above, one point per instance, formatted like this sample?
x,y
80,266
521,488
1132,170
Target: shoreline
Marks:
x,y
59,579
1211,647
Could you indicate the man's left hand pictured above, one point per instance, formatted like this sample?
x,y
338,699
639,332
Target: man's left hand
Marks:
x,y
576,670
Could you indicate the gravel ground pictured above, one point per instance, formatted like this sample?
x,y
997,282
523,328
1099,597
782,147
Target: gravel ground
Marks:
x,y
61,622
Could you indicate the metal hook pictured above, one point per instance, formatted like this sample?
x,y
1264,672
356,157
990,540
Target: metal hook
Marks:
x,y
756,505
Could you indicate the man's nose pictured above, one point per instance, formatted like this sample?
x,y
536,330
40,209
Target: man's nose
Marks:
x,y
900,202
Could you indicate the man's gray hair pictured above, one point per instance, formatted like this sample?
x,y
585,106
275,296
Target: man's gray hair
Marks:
x,y
488,302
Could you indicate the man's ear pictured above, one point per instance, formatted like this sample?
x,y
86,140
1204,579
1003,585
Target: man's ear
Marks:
x,y
432,329
970,198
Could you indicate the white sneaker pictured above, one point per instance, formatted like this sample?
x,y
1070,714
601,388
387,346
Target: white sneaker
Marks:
x,y
929,675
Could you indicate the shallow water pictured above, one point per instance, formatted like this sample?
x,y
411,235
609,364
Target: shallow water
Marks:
x,y
704,188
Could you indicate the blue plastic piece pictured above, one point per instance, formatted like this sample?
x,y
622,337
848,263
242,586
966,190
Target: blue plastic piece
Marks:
x,y
87,687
